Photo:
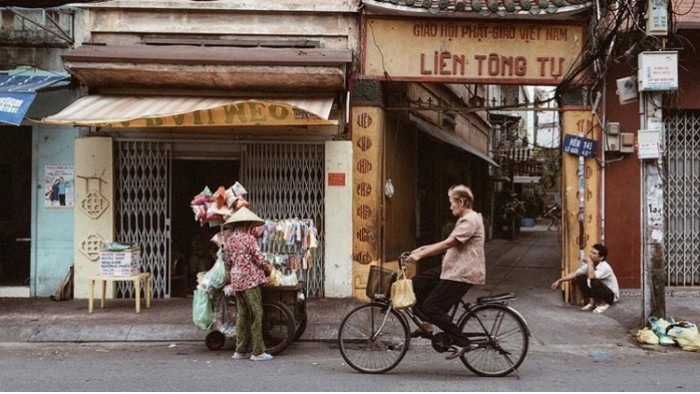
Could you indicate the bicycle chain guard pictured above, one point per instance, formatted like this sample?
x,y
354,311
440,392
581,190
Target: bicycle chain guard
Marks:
x,y
441,342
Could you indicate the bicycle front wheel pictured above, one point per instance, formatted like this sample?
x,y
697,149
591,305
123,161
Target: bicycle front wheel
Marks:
x,y
373,338
501,336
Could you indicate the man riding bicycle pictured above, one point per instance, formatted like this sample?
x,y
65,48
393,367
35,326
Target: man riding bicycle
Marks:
x,y
463,265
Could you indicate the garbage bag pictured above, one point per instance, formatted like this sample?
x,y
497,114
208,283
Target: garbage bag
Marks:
x,y
645,335
686,335
659,325
202,310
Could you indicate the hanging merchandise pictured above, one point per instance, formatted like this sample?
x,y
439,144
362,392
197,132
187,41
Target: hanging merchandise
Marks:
x,y
289,245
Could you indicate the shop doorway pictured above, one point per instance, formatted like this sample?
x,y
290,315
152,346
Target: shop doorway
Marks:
x,y
191,244
15,200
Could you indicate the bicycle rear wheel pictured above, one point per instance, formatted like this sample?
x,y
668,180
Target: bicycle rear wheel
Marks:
x,y
373,339
501,336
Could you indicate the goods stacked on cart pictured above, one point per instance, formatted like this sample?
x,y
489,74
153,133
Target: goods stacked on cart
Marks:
x,y
214,208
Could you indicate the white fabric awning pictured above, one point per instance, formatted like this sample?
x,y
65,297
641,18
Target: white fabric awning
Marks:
x,y
117,111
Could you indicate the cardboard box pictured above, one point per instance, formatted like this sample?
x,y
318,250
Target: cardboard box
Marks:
x,y
120,262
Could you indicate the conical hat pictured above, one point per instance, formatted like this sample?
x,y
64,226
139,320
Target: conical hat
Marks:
x,y
245,215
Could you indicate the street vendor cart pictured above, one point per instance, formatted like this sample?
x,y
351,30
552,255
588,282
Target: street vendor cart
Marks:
x,y
284,318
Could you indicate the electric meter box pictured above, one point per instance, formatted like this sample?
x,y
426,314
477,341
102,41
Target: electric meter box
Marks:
x,y
658,71
657,17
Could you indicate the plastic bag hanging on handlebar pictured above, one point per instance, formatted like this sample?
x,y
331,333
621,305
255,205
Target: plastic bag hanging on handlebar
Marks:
x,y
202,310
402,295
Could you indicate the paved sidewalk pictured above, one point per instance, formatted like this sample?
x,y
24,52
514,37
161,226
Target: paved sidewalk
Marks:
x,y
526,266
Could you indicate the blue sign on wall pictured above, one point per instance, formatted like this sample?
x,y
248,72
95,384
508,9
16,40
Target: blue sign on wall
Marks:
x,y
579,146
17,93
13,106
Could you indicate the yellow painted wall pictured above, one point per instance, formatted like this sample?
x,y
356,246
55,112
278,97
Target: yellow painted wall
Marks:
x,y
575,122
367,139
94,207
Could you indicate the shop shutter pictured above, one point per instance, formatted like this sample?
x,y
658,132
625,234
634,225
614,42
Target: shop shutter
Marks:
x,y
286,181
143,209
682,198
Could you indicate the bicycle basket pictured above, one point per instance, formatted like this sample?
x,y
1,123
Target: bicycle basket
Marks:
x,y
379,282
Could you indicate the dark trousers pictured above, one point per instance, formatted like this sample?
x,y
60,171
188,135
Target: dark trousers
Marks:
x,y
435,297
597,290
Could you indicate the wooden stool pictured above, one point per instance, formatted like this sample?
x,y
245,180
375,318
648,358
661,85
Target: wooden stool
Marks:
x,y
146,276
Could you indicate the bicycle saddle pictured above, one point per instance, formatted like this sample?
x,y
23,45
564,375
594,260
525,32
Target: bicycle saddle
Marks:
x,y
495,298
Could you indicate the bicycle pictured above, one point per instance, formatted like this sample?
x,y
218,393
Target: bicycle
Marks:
x,y
374,338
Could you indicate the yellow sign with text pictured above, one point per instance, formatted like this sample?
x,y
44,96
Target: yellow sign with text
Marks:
x,y
479,52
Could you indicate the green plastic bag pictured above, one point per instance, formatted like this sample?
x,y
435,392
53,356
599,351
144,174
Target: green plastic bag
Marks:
x,y
202,310
218,273
217,276
659,325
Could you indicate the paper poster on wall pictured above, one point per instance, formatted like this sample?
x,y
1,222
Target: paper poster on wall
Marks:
x,y
59,187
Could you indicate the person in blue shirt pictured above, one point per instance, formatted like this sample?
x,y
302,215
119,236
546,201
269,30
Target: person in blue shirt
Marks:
x,y
62,191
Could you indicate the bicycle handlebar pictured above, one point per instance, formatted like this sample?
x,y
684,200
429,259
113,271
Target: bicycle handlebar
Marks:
x,y
403,258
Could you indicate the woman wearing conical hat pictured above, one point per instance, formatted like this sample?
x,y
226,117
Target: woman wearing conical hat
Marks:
x,y
248,272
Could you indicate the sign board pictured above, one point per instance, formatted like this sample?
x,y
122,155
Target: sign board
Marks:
x,y
658,71
445,51
336,179
579,146
120,263
13,106
648,144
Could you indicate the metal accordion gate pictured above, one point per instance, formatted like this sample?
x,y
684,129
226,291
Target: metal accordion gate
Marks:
x,y
286,180
143,200
682,198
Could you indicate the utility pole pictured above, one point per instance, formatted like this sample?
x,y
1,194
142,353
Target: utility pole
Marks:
x,y
654,272
651,152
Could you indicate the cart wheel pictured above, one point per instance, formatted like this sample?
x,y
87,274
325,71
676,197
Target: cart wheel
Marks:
x,y
278,326
302,319
215,340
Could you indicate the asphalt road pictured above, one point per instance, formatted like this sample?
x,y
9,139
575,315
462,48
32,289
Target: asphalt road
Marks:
x,y
314,366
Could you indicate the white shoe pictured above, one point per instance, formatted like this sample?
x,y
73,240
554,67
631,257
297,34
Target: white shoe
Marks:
x,y
262,357
588,307
601,308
